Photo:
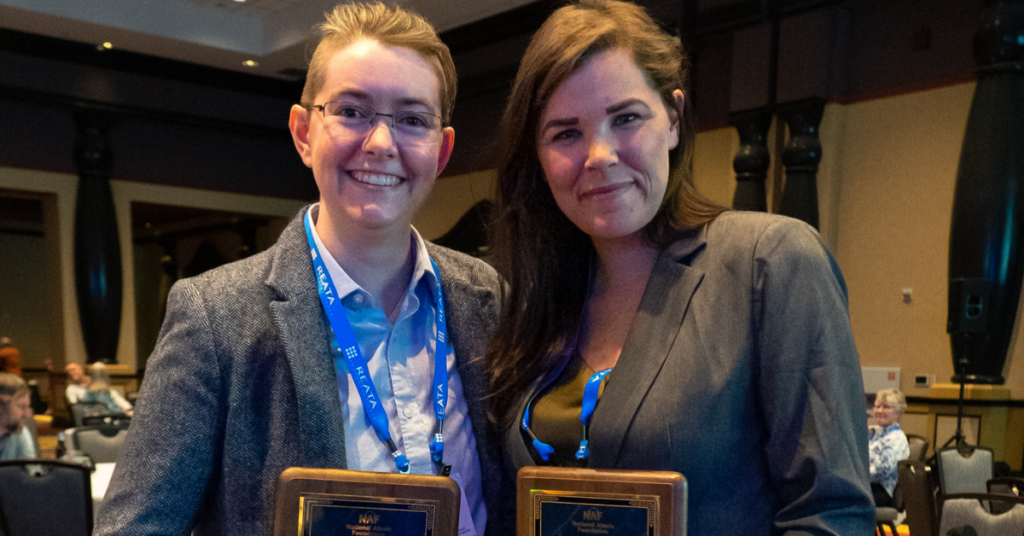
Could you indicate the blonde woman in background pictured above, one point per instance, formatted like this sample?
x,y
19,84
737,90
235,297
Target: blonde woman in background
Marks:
x,y
887,444
98,390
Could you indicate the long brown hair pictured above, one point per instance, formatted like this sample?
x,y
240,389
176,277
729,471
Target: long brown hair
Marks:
x,y
545,259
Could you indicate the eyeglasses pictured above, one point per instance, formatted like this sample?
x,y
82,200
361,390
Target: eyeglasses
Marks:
x,y
345,121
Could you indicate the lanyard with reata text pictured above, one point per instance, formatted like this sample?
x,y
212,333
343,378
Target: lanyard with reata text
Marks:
x,y
345,345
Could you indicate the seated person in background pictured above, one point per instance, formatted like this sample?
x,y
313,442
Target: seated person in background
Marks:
x,y
10,357
887,444
16,442
77,382
99,391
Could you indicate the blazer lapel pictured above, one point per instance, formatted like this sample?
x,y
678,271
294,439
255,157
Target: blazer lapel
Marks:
x,y
300,320
655,326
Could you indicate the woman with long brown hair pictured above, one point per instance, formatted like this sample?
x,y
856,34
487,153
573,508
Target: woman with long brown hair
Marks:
x,y
713,343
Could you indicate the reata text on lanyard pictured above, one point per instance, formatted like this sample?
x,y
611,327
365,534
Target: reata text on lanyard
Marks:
x,y
344,345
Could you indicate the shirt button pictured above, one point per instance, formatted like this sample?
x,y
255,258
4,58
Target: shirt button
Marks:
x,y
408,412
358,298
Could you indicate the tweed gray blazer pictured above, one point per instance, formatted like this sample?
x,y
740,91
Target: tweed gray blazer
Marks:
x,y
241,386
740,372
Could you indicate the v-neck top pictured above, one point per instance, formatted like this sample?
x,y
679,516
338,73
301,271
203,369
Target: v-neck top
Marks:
x,y
556,414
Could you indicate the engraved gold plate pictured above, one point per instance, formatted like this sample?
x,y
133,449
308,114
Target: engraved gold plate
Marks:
x,y
315,502
560,501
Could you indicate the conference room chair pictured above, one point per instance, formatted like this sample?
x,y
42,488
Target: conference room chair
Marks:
x,y
84,413
885,520
964,514
1005,486
101,443
918,446
917,489
44,498
965,472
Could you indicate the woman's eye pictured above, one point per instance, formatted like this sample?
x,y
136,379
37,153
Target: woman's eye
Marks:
x,y
412,120
565,135
351,113
626,118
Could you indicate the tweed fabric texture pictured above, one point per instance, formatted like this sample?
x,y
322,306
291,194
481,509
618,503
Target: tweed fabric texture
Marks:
x,y
740,372
241,386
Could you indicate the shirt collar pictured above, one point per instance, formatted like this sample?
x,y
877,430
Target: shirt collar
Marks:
x,y
423,269
883,431
348,289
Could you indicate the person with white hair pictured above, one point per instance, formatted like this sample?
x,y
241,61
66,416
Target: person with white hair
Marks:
x,y
887,444
98,390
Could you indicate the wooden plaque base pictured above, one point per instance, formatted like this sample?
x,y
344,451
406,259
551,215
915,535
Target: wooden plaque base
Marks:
x,y
563,501
314,502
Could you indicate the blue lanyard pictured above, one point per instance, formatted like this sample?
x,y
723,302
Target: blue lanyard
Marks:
x,y
590,393
590,396
884,431
345,344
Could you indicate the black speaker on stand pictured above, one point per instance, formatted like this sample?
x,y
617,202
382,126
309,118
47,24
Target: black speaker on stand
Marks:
x,y
985,259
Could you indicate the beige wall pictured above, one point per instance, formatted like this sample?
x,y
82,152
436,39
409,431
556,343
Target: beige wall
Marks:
x,y
885,191
886,196
61,189
450,199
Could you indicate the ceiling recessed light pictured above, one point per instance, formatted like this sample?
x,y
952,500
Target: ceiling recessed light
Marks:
x,y
250,63
105,46
240,1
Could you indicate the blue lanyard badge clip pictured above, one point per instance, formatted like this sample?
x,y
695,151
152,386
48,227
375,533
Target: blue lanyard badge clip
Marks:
x,y
590,396
345,346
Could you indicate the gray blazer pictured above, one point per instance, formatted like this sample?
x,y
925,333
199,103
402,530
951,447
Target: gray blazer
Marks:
x,y
241,386
740,372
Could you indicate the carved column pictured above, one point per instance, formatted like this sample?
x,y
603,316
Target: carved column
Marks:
x,y
98,280
752,160
801,157
985,261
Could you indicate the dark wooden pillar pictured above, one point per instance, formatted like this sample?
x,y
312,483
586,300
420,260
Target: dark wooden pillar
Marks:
x,y
801,157
98,281
985,264
752,160
246,230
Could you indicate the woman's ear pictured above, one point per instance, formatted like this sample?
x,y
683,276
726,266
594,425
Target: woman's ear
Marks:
x,y
675,119
298,124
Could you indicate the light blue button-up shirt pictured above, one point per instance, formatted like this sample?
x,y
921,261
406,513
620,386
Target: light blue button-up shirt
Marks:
x,y
400,359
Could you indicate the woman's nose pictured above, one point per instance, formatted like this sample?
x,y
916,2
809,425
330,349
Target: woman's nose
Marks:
x,y
380,140
602,153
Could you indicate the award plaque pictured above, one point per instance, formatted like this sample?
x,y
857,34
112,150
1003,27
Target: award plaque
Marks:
x,y
336,502
566,501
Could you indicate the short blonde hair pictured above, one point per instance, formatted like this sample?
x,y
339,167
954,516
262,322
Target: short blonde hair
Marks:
x,y
390,26
894,397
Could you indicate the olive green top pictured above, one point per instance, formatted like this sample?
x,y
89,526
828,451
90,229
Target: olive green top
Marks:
x,y
556,413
